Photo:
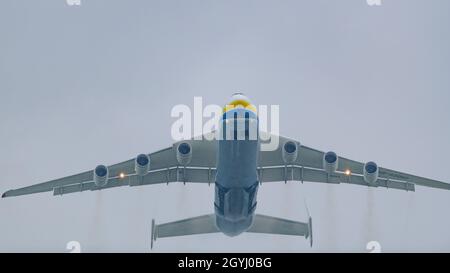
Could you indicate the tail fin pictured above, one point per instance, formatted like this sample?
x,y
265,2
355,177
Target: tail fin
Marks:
x,y
310,233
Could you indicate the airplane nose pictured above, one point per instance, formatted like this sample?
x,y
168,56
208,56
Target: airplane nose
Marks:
x,y
239,100
239,96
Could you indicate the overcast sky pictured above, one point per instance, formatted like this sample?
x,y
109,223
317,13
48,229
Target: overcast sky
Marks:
x,y
91,84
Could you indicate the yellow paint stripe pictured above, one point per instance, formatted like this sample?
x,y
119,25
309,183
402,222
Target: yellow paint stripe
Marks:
x,y
242,103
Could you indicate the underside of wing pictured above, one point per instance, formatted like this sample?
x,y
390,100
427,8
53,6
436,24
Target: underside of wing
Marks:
x,y
294,161
185,161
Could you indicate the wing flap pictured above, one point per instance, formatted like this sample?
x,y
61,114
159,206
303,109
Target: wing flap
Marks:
x,y
299,173
169,175
391,174
48,186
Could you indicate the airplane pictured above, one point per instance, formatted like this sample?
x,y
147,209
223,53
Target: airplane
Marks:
x,y
237,166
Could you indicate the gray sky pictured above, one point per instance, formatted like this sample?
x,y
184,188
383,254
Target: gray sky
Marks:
x,y
96,83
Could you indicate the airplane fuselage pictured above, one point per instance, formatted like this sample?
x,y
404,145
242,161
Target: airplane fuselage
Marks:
x,y
236,184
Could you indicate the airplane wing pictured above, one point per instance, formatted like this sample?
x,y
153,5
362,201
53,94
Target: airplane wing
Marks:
x,y
163,168
309,167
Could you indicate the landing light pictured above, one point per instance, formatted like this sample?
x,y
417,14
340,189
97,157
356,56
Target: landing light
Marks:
x,y
122,175
348,172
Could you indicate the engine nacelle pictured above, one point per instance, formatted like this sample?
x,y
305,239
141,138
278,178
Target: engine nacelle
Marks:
x,y
330,162
371,172
184,153
142,164
289,152
101,175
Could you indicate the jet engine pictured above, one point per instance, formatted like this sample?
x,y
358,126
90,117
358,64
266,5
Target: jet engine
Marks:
x,y
371,172
142,164
289,152
330,162
184,153
101,175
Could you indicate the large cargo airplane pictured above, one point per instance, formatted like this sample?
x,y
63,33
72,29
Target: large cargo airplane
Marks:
x,y
237,165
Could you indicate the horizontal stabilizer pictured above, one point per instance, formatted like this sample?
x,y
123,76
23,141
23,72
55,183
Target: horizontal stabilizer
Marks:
x,y
272,225
197,225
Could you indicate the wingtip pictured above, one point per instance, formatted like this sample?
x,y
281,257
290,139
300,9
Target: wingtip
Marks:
x,y
7,194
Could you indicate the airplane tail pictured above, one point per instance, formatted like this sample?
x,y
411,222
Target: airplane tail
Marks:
x,y
309,225
206,224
